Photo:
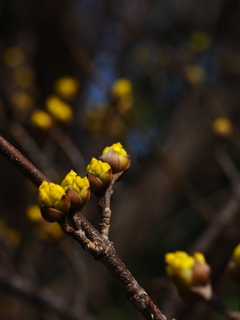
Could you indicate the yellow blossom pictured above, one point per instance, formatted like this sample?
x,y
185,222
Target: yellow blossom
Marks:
x,y
185,270
67,87
77,184
99,175
117,157
14,56
41,120
60,110
97,167
222,127
122,87
179,260
50,195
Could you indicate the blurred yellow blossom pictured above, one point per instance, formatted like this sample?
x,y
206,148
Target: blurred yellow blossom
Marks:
x,y
43,230
14,237
34,213
22,101
222,127
67,87
13,56
236,255
195,73
23,77
9,235
186,271
41,119
122,92
60,110
51,195
121,87
48,231
200,41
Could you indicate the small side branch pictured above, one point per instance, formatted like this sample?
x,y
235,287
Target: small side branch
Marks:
x,y
105,212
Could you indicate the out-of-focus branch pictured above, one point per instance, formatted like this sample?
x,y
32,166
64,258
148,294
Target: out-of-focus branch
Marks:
x,y
21,163
43,299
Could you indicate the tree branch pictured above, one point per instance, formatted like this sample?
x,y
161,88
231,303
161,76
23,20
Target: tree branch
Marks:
x,y
91,240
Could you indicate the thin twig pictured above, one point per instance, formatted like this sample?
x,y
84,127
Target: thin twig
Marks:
x,y
105,212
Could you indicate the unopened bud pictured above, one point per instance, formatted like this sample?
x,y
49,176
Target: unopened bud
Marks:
x,y
99,175
53,201
77,189
117,157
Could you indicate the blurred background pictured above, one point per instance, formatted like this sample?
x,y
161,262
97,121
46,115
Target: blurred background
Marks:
x,y
162,78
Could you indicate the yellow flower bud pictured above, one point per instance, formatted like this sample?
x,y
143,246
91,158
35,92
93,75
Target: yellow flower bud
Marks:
x,y
189,273
78,185
222,127
41,120
53,201
99,175
60,110
116,156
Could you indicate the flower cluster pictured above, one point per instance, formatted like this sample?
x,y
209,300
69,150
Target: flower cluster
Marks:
x,y
55,200
58,110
